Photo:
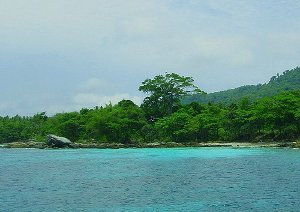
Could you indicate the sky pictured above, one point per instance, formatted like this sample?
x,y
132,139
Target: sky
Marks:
x,y
64,55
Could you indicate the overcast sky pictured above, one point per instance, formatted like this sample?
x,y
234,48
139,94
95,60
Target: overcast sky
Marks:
x,y
63,55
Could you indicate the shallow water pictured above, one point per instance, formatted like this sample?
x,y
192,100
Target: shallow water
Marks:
x,y
187,179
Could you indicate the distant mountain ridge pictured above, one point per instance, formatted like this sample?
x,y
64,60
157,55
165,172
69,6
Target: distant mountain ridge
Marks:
x,y
288,80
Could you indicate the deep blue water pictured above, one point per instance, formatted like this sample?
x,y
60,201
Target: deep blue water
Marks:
x,y
187,179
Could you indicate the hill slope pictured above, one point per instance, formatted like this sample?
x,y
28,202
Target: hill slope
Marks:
x,y
288,80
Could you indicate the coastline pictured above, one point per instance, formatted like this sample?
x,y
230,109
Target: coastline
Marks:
x,y
43,145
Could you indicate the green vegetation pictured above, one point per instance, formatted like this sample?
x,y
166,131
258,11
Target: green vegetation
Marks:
x,y
166,93
162,118
288,81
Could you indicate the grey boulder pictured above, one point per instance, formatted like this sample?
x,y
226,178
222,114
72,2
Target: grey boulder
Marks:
x,y
56,141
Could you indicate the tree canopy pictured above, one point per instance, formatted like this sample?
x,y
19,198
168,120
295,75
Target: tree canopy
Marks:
x,y
165,93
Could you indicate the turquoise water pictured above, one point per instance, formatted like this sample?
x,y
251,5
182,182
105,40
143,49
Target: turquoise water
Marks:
x,y
188,179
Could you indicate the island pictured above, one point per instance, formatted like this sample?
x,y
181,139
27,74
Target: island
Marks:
x,y
175,113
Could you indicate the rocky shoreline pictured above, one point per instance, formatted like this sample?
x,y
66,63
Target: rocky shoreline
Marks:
x,y
44,145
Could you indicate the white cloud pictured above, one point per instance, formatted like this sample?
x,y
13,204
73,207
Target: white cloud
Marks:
x,y
99,92
92,99
97,85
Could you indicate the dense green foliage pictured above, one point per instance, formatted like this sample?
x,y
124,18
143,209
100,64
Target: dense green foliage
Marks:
x,y
270,118
165,93
288,81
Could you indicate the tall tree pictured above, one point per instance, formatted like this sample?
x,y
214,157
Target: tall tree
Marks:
x,y
165,93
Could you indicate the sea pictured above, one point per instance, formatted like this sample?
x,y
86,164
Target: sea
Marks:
x,y
154,179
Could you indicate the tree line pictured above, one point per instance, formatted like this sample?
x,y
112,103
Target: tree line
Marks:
x,y
163,117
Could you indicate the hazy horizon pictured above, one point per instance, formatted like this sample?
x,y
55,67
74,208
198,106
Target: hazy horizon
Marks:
x,y
61,55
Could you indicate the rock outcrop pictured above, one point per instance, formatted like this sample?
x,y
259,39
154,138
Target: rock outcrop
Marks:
x,y
56,141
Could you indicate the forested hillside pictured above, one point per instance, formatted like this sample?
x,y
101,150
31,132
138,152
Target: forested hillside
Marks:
x,y
289,80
